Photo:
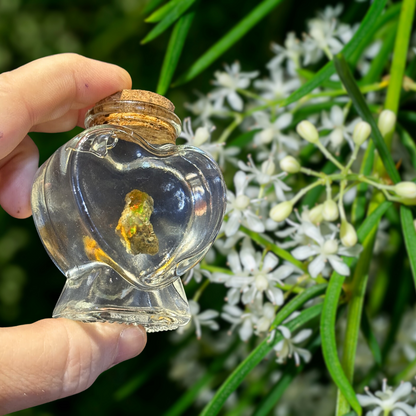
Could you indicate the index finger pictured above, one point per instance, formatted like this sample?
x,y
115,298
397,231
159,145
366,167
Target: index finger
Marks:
x,y
50,88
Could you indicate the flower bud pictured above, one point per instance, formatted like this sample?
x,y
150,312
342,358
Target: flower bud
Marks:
x,y
405,189
308,131
348,234
330,247
268,167
315,214
281,211
361,132
290,165
201,136
386,122
330,210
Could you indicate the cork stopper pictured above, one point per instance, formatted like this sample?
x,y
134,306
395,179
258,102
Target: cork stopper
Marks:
x,y
147,113
140,95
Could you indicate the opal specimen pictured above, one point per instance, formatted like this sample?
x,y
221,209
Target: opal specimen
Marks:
x,y
134,226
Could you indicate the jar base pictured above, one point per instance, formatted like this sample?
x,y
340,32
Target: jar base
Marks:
x,y
101,295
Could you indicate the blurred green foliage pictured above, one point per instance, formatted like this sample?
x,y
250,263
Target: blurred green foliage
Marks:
x,y
112,31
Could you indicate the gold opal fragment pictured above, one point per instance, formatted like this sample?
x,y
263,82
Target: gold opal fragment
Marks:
x,y
134,226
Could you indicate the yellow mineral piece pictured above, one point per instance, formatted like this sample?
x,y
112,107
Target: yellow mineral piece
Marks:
x,y
134,226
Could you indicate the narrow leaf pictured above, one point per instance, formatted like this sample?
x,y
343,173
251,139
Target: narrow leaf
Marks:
x,y
364,112
366,228
408,143
370,338
174,50
180,8
290,373
258,354
152,5
409,234
236,33
162,12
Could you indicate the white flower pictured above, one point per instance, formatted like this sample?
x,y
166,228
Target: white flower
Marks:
x,y
266,176
335,122
323,36
272,130
202,139
292,51
388,401
286,347
324,249
236,316
228,83
205,318
196,273
259,277
204,109
238,207
276,87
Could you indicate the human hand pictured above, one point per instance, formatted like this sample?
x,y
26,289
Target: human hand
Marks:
x,y
52,358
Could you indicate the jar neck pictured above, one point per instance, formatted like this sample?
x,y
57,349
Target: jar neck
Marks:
x,y
156,124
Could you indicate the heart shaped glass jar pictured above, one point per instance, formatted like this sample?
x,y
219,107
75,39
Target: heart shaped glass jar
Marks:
x,y
123,212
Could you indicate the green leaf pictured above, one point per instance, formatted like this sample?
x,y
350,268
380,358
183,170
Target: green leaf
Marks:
x,y
329,346
258,354
408,143
231,37
180,8
273,248
174,50
409,234
152,5
162,12
371,339
378,64
364,33
290,373
364,112
372,220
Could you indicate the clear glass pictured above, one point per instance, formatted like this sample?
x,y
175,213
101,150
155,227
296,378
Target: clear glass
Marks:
x,y
123,219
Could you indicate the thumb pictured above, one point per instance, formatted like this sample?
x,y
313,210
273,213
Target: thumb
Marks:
x,y
55,358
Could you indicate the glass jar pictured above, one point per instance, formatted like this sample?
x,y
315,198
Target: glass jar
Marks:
x,y
124,212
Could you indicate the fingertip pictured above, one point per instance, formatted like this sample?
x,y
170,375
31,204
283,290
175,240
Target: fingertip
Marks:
x,y
131,343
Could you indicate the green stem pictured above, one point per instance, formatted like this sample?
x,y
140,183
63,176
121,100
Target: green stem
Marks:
x,y
200,291
226,133
329,156
399,59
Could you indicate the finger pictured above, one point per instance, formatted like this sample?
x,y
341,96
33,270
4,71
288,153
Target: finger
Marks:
x,y
17,171
48,88
55,358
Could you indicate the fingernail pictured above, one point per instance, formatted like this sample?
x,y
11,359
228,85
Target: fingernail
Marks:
x,y
131,343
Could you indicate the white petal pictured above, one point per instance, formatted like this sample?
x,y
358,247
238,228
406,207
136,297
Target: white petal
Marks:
x,y
402,391
303,252
302,335
285,331
248,260
219,277
233,296
207,315
316,266
403,409
305,354
248,295
233,223
283,271
366,400
246,330
235,101
351,251
275,295
337,116
254,223
313,232
339,266
234,262
240,182
283,121
270,262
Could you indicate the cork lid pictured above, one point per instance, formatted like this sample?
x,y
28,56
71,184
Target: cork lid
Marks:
x,y
150,115
140,95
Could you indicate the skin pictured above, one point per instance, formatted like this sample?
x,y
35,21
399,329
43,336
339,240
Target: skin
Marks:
x,y
52,358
